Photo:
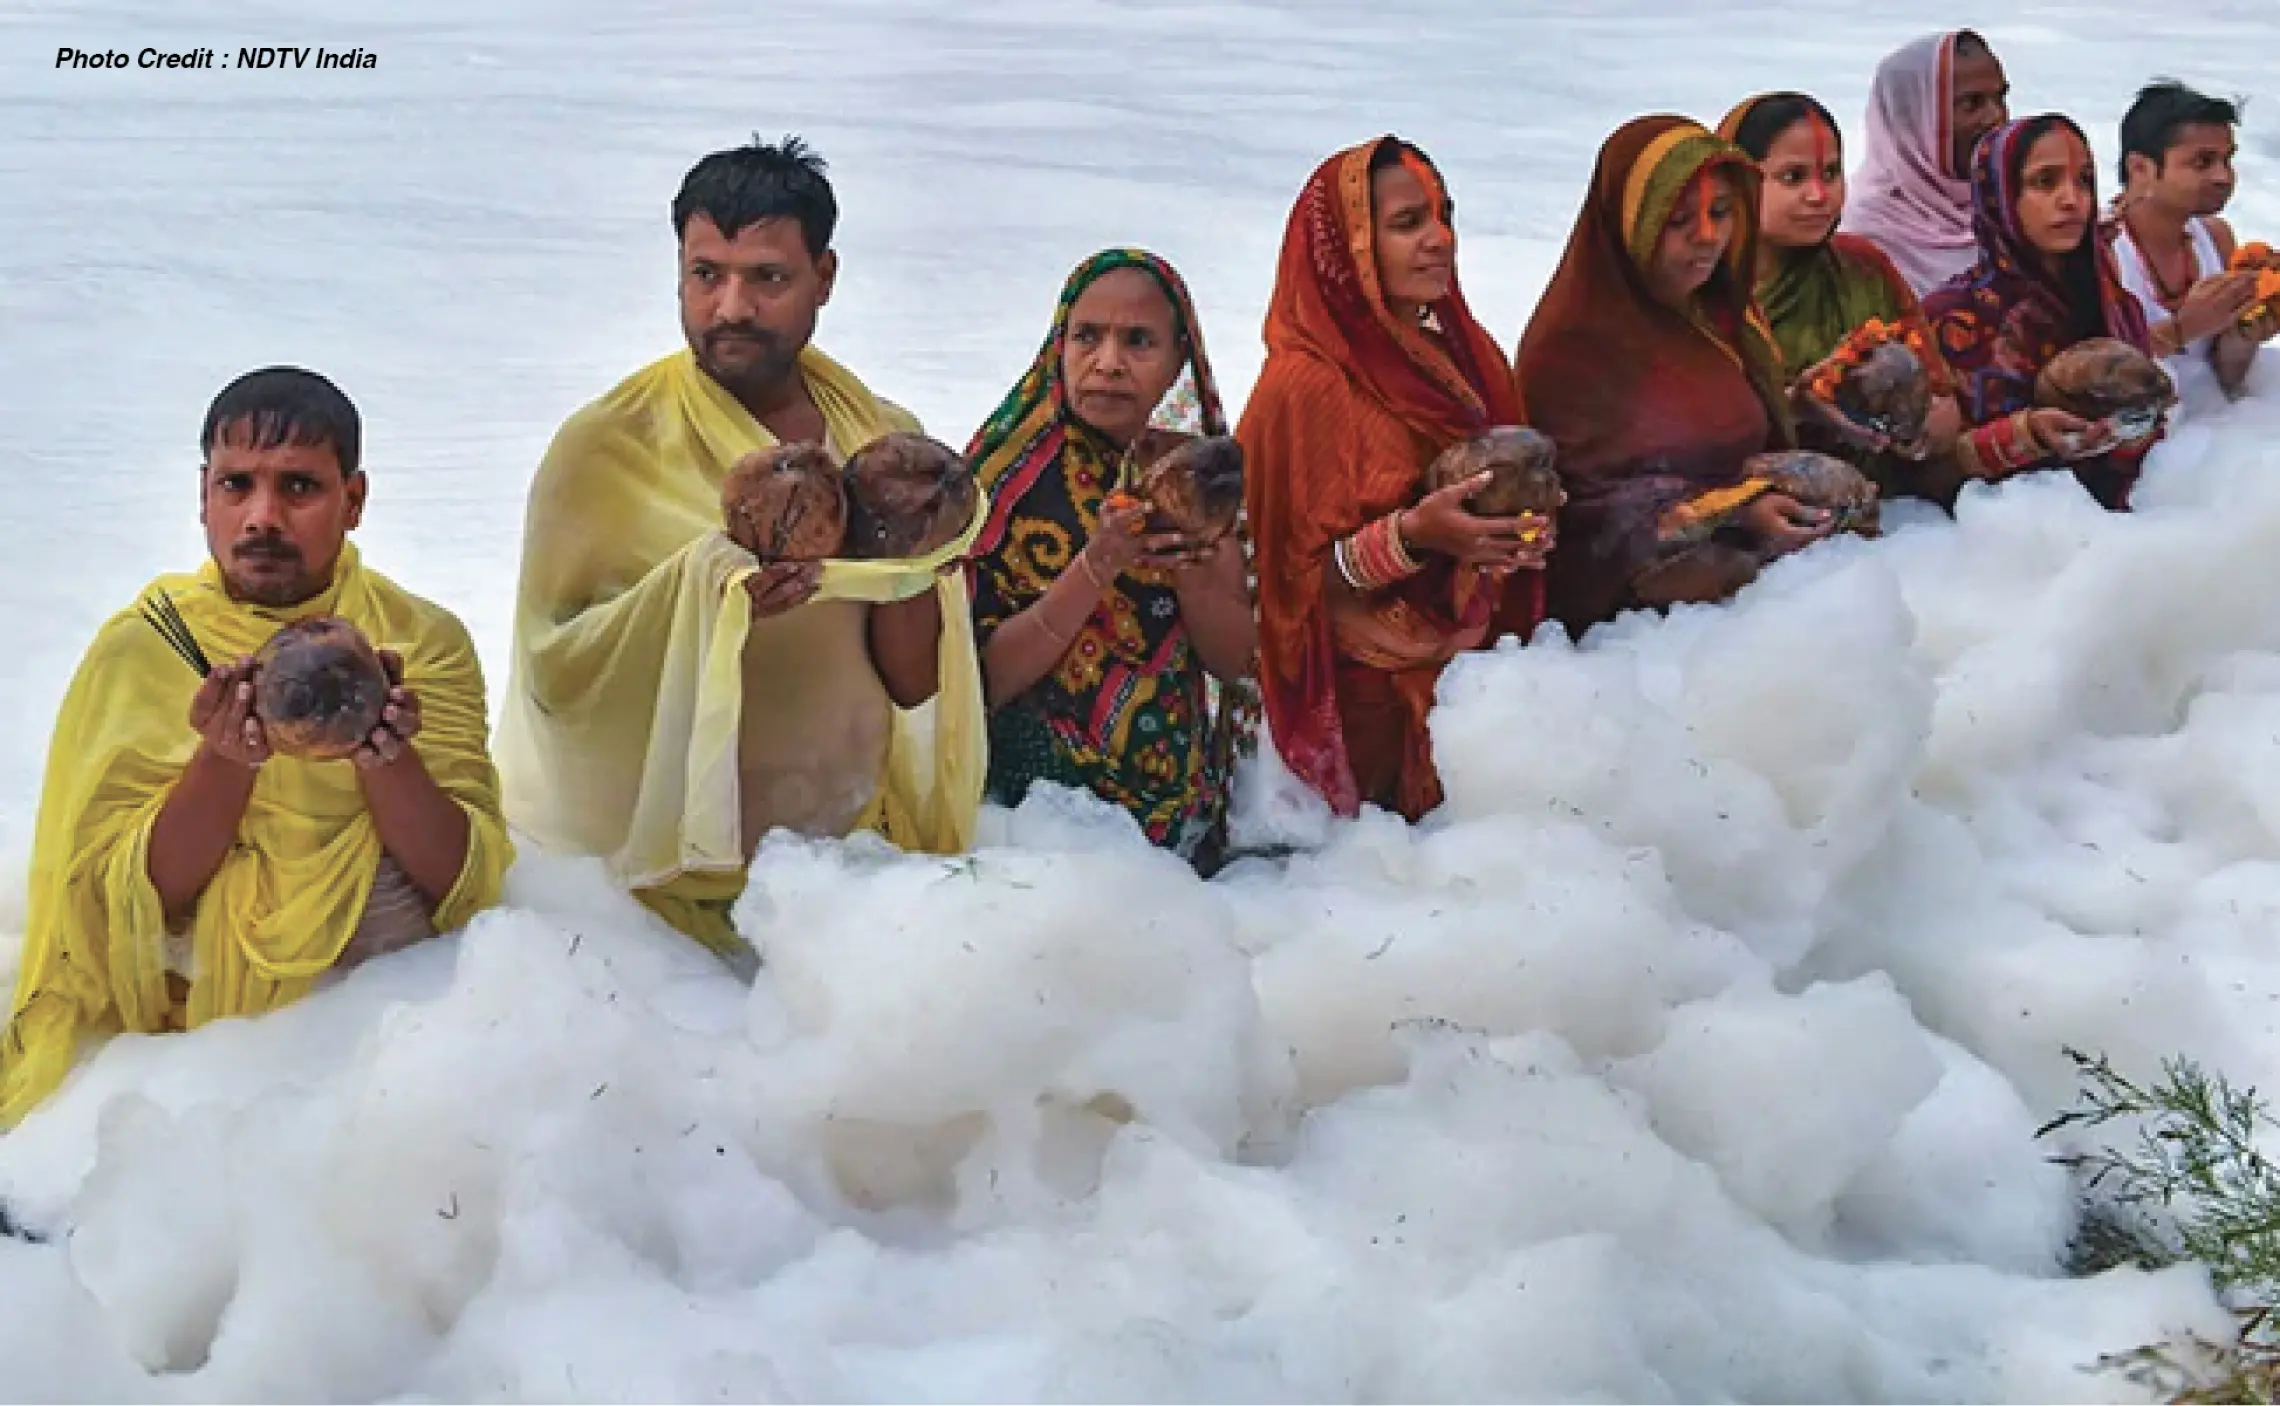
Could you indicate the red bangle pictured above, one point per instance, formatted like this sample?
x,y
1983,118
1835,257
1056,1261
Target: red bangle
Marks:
x,y
1375,557
2008,443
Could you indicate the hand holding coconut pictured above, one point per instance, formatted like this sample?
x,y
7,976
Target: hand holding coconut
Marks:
x,y
782,586
316,690
1492,502
1180,511
787,506
902,495
1811,496
390,740
2098,395
1123,543
1781,524
1872,392
2067,436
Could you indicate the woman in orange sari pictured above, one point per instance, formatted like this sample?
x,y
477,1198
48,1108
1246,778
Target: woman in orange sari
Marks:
x,y
1650,366
1367,584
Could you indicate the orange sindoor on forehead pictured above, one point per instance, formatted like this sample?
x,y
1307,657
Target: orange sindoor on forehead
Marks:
x,y
1427,177
1824,149
1701,192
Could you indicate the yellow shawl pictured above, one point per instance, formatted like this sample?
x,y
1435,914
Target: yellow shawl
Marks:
x,y
619,733
287,899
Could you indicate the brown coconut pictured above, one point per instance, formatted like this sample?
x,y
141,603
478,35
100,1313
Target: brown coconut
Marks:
x,y
1820,481
2103,378
907,496
1889,392
1195,490
1524,464
787,503
319,688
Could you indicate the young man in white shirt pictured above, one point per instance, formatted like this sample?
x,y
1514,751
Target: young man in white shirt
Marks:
x,y
2170,244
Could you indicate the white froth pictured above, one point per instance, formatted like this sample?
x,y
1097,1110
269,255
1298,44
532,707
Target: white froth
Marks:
x,y
1694,1050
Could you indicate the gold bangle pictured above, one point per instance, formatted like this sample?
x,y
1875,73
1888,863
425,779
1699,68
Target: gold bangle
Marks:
x,y
1084,564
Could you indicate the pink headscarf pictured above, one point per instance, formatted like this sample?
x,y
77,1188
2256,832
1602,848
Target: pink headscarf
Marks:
x,y
1905,199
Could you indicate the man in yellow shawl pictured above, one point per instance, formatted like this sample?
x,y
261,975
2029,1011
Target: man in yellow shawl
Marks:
x,y
673,699
182,870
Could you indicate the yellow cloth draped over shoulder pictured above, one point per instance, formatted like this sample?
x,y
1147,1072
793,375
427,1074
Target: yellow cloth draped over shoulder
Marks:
x,y
290,894
619,734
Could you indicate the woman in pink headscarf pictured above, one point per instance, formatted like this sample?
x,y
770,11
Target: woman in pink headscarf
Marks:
x,y
1932,101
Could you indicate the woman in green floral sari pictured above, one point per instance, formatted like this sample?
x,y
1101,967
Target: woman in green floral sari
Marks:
x,y
1816,285
1101,644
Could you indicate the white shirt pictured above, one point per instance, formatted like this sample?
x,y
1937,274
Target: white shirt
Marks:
x,y
2190,367
2201,242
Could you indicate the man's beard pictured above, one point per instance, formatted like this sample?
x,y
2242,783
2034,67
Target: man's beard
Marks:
x,y
765,358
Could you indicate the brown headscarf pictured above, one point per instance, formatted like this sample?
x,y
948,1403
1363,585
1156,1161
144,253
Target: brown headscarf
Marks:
x,y
1351,406
1653,408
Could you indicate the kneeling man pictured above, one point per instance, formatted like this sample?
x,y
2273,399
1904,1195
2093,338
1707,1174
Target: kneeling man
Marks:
x,y
185,869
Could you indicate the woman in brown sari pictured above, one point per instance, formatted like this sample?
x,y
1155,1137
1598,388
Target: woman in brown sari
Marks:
x,y
1650,366
1368,585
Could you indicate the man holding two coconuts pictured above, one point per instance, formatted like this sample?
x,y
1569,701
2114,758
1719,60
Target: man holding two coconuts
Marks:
x,y
270,767
737,593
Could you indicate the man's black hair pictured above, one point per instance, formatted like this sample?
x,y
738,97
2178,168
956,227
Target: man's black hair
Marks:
x,y
748,184
2164,108
286,405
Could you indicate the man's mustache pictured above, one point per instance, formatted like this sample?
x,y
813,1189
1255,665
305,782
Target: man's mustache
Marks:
x,y
269,548
743,330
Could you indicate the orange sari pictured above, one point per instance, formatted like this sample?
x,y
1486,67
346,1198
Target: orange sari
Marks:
x,y
1351,406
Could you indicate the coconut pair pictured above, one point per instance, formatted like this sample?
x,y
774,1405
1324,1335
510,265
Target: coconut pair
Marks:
x,y
900,496
1524,477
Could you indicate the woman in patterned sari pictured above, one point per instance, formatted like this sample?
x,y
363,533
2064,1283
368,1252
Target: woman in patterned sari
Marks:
x,y
1097,638
1368,585
2044,281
